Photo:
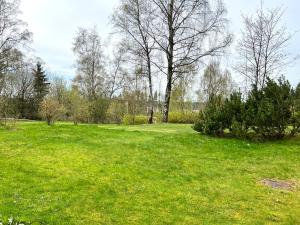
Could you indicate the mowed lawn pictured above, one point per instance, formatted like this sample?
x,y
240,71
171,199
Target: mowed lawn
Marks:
x,y
160,174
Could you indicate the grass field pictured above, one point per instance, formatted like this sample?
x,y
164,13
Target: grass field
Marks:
x,y
161,174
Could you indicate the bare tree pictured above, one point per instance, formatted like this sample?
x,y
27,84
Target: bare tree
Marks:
x,y
117,74
78,107
179,97
13,33
50,110
215,82
58,89
262,48
17,84
186,31
133,18
24,86
88,49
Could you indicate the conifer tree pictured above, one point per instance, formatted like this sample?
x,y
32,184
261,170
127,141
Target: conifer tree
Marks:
x,y
40,86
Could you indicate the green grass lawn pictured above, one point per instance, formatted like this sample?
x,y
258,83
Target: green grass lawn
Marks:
x,y
160,174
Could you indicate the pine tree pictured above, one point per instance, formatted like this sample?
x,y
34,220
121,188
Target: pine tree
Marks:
x,y
41,84
41,88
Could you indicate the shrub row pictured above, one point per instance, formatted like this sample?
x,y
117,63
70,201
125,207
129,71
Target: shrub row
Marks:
x,y
174,117
187,117
135,120
183,117
270,112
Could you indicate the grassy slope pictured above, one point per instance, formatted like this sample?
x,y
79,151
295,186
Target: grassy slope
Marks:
x,y
162,174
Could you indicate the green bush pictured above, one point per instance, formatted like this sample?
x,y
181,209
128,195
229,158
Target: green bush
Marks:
x,y
135,120
238,128
295,123
98,110
212,120
182,117
269,110
267,113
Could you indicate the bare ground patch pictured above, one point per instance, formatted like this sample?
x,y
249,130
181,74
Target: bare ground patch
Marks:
x,y
279,184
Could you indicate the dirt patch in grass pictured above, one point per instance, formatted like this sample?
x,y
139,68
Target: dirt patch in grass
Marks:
x,y
279,184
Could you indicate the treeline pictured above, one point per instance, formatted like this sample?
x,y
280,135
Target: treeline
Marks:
x,y
151,73
23,90
105,89
28,93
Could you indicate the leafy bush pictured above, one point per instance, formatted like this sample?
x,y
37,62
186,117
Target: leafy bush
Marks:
x,y
135,120
182,117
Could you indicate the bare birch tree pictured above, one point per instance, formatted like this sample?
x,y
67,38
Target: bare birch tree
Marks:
x,y
187,31
13,33
90,69
24,87
262,48
117,75
133,18
215,82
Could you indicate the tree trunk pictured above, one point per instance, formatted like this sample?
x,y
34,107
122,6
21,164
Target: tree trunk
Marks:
x,y
5,119
75,121
170,57
166,105
135,99
150,120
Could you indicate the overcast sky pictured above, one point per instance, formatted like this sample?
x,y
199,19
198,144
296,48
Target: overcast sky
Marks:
x,y
54,24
